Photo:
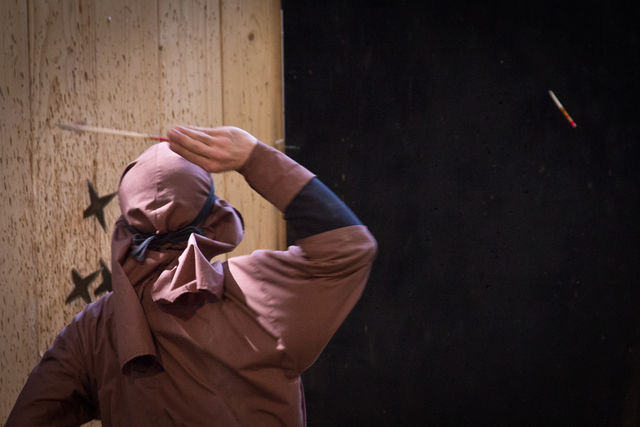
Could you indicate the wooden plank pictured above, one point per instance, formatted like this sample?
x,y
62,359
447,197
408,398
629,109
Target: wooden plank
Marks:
x,y
18,316
252,100
127,91
62,57
190,85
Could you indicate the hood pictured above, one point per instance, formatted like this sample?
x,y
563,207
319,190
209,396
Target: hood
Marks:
x,y
162,192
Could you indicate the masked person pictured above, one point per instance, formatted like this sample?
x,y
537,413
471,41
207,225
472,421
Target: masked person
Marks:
x,y
183,341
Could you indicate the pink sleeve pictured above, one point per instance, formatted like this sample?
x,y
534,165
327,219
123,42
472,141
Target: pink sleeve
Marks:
x,y
302,295
274,175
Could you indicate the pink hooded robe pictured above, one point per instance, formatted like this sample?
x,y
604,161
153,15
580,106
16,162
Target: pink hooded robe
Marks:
x,y
182,341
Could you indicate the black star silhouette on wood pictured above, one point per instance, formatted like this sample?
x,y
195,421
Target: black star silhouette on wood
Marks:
x,y
81,286
96,208
105,286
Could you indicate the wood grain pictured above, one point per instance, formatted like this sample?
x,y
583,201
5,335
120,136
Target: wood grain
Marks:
x,y
62,62
128,64
18,342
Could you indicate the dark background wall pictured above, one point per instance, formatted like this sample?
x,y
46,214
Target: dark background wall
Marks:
x,y
506,287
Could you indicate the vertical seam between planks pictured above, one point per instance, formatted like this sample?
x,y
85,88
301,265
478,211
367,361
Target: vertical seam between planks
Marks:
x,y
30,147
222,109
221,42
158,69
283,118
30,88
93,27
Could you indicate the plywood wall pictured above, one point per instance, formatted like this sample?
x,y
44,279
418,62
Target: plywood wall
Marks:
x,y
141,65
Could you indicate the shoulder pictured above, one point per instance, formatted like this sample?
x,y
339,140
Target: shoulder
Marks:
x,y
92,320
97,311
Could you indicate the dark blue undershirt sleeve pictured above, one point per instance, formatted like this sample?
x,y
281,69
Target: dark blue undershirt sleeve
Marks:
x,y
316,209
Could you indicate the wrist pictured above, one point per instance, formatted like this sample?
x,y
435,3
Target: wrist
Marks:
x,y
274,175
249,150
245,145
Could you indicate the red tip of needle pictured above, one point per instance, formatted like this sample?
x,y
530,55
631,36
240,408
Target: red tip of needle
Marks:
x,y
162,138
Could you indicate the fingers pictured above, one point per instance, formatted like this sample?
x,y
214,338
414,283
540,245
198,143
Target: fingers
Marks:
x,y
204,162
193,146
223,131
206,142
214,149
192,140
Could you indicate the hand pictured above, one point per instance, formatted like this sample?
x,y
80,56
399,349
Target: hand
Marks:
x,y
213,149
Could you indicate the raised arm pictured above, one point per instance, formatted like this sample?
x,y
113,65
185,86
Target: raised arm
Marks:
x,y
310,209
303,294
